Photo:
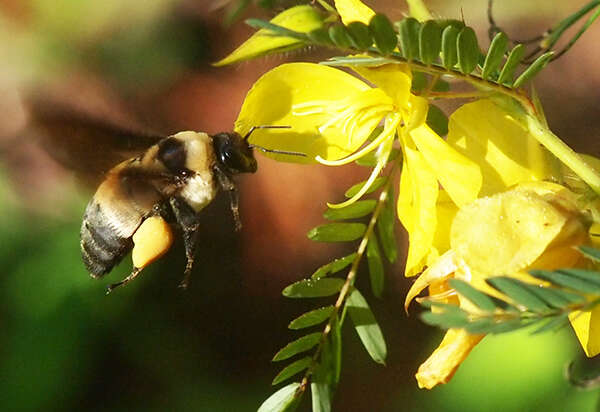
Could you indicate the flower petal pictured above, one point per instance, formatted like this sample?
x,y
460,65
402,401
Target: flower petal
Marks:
x,y
394,79
353,10
460,177
443,362
417,206
300,18
587,328
506,232
302,96
443,267
506,153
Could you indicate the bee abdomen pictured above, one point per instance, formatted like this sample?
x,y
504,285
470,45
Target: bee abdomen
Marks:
x,y
101,247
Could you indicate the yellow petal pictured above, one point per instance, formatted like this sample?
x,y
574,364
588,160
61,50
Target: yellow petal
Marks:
x,y
394,79
506,153
305,96
300,18
446,210
443,362
443,267
417,207
587,328
353,10
459,176
506,232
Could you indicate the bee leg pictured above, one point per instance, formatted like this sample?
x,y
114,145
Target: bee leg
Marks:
x,y
187,219
227,184
133,275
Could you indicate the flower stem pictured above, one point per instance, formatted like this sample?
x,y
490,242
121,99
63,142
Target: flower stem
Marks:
x,y
564,153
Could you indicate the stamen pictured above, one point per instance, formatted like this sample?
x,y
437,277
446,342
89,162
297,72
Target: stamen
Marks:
x,y
386,133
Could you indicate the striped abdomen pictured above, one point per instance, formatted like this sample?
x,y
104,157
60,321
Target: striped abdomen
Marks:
x,y
113,215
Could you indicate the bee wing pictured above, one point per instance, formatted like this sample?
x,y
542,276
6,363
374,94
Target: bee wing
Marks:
x,y
82,140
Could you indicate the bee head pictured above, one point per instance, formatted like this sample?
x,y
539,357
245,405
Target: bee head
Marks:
x,y
234,153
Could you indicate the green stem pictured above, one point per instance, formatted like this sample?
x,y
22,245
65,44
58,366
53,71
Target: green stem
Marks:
x,y
564,153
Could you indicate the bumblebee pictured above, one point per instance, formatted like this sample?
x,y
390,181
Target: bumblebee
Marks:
x,y
140,199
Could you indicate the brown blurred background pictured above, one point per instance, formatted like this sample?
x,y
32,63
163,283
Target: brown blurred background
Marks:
x,y
150,346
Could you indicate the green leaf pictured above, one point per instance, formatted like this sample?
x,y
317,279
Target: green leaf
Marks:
x,y
359,32
375,263
590,253
321,396
312,318
336,348
366,326
468,50
556,298
515,290
337,232
437,120
513,60
430,41
386,229
408,33
567,281
534,69
355,210
449,53
340,36
283,400
383,33
298,346
508,326
446,319
292,369
323,378
419,82
553,323
334,266
297,19
479,299
313,288
366,61
441,86
587,275
495,54
377,183
480,326
320,35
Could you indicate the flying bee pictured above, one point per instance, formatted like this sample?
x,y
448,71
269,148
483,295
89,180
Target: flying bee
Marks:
x,y
141,198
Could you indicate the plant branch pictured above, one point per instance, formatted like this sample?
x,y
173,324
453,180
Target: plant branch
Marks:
x,y
347,287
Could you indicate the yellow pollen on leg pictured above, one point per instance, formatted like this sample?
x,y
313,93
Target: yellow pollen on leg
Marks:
x,y
152,240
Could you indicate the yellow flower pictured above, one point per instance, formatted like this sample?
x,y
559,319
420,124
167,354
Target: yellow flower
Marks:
x,y
518,223
332,114
534,225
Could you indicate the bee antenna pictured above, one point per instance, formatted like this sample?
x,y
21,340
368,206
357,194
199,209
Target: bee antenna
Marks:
x,y
253,128
265,150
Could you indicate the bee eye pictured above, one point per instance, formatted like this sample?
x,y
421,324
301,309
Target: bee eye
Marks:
x,y
171,152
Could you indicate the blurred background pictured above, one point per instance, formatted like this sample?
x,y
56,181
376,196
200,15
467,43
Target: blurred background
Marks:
x,y
150,346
